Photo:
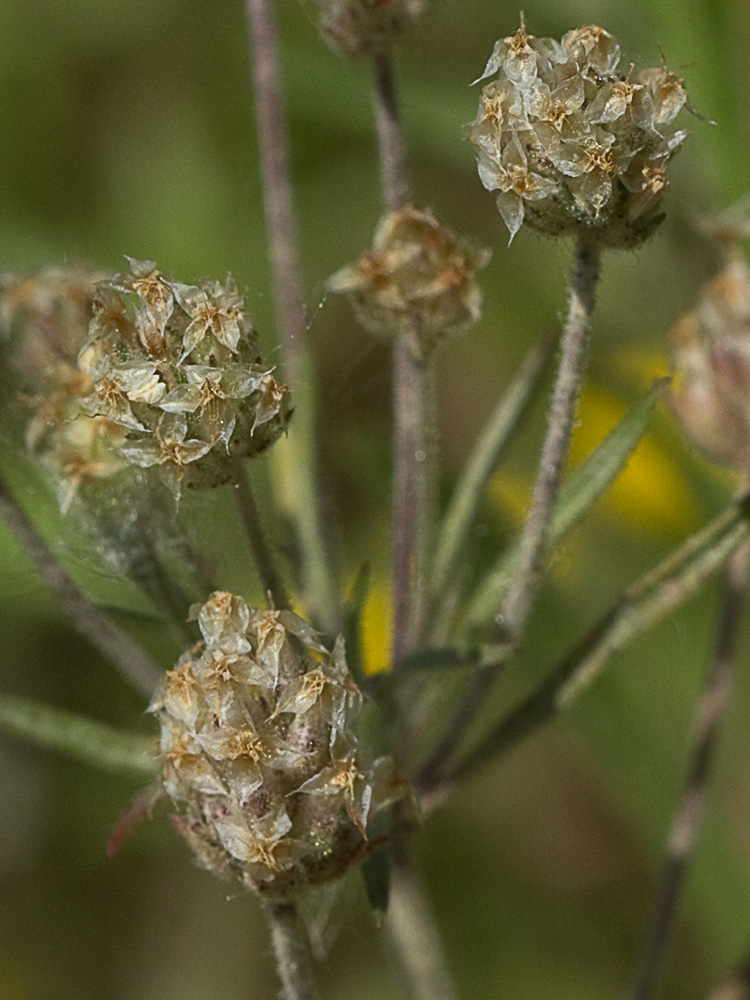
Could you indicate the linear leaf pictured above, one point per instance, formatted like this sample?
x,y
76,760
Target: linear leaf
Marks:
x,y
458,519
85,739
676,579
450,659
579,493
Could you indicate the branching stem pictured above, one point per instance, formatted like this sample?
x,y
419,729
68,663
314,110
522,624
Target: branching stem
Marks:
x,y
518,604
134,665
686,820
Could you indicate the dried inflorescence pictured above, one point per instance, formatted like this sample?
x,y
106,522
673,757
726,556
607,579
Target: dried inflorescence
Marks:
x,y
366,27
148,373
259,752
417,283
711,348
570,143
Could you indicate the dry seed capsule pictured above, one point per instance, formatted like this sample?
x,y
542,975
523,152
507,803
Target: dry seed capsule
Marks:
x,y
365,27
569,143
417,283
43,322
711,351
259,752
176,366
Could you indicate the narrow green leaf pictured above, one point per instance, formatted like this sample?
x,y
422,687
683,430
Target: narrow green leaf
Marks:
x,y
676,579
459,517
353,620
377,876
450,659
87,740
579,493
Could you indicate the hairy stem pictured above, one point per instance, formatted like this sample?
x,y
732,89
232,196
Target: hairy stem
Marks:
x,y
305,505
277,187
412,930
291,949
414,436
390,136
518,604
686,821
414,463
532,557
134,665
265,563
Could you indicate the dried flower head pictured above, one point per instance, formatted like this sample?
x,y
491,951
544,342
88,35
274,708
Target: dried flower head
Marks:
x,y
417,283
149,373
43,322
364,27
711,348
259,753
568,142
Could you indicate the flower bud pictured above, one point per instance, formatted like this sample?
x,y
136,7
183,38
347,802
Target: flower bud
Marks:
x,y
569,143
365,27
418,283
711,349
259,753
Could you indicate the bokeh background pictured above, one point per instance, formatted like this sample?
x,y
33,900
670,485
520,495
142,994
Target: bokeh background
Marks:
x,y
127,127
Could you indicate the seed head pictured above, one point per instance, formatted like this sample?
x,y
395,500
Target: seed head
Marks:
x,y
142,372
417,283
259,753
568,142
365,27
711,348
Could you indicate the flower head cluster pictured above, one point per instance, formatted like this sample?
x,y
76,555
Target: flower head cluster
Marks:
x,y
567,141
43,321
418,282
153,374
258,750
711,348
364,27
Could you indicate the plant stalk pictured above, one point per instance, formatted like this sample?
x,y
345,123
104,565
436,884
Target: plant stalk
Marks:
x,y
414,435
305,505
676,578
291,949
265,563
686,820
130,660
412,929
518,604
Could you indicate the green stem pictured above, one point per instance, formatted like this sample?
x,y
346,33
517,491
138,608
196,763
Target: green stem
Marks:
x,y
84,739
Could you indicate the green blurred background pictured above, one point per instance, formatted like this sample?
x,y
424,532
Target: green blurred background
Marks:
x,y
127,127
